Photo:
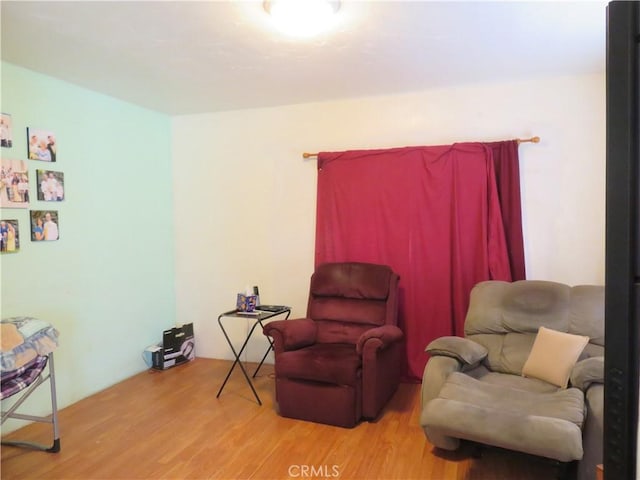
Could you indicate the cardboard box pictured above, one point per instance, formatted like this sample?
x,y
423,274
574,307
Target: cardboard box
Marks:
x,y
178,347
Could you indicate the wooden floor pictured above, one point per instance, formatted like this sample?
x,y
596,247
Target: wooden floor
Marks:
x,y
161,425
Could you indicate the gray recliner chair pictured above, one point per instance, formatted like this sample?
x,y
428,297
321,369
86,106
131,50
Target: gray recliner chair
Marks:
x,y
474,389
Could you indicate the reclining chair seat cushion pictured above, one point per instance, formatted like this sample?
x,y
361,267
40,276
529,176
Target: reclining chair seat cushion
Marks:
x,y
511,381
547,424
336,363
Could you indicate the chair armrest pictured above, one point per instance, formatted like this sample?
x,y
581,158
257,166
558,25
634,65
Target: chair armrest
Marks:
x,y
379,337
291,334
435,374
586,372
464,350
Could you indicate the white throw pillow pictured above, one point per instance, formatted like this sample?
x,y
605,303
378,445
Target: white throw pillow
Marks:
x,y
553,356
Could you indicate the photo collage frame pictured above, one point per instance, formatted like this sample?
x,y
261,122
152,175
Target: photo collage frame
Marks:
x,y
25,182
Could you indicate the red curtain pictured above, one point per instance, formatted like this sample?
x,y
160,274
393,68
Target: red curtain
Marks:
x,y
431,213
507,169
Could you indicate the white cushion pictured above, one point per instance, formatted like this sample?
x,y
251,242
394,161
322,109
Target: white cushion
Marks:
x,y
553,356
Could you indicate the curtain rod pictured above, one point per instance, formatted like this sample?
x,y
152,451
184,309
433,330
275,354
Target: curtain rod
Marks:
x,y
519,140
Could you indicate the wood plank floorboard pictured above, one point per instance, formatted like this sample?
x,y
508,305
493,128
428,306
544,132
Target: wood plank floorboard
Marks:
x,y
169,425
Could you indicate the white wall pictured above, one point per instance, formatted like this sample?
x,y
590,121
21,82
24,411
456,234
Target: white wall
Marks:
x,y
245,198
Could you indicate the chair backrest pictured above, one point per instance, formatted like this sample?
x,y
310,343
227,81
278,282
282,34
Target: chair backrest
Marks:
x,y
505,318
345,299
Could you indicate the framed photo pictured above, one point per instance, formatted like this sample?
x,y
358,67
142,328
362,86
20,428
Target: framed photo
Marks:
x,y
44,225
6,131
14,184
9,236
50,185
41,145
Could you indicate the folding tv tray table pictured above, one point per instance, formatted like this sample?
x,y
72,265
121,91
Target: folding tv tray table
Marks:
x,y
258,318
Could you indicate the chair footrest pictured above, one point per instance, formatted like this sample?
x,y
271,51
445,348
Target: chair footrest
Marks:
x,y
337,405
543,424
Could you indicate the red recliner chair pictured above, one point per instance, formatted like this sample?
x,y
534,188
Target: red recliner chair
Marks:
x,y
343,362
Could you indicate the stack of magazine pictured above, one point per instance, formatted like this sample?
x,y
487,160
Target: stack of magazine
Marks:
x,y
262,309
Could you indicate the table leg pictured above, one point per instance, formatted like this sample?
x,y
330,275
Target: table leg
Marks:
x,y
237,361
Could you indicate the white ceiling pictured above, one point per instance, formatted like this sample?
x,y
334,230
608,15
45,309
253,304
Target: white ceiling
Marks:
x,y
182,57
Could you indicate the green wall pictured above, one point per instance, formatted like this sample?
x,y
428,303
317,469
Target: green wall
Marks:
x,y
108,283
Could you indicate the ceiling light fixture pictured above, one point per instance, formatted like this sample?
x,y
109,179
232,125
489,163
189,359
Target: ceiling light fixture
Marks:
x,y
301,18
